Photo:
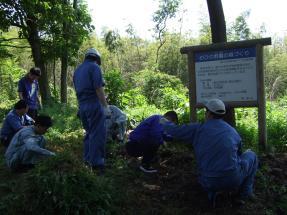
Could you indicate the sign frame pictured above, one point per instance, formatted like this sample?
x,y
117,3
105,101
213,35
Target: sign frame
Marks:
x,y
260,103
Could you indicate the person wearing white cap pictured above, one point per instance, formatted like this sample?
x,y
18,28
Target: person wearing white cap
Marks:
x,y
93,108
217,148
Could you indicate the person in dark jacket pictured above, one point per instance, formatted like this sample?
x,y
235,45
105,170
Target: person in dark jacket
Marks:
x,y
146,139
28,88
14,121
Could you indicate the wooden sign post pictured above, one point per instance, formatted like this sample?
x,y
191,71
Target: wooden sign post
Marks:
x,y
232,72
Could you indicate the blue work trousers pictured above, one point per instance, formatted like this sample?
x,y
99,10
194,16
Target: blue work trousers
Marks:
x,y
93,120
241,180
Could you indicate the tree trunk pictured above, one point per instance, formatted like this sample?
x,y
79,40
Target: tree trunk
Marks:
x,y
64,61
54,78
217,21
64,68
34,42
218,31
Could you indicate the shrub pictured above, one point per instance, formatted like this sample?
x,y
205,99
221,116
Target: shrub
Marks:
x,y
61,185
115,86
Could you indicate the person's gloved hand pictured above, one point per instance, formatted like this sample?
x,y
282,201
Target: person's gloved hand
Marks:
x,y
53,154
163,120
107,112
40,107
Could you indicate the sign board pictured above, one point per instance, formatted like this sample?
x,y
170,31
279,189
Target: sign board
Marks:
x,y
232,72
227,74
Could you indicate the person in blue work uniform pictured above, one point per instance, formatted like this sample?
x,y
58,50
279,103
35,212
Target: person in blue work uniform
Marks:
x,y
116,125
27,147
217,148
146,139
28,88
14,121
93,108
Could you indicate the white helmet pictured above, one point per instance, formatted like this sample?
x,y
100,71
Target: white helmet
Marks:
x,y
92,52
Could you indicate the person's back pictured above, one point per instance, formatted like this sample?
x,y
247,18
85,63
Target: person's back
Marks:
x,y
93,108
116,124
149,131
215,145
146,139
87,78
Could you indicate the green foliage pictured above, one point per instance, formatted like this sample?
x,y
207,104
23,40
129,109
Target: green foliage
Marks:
x,y
167,9
115,85
112,41
157,88
10,74
66,125
247,125
62,185
171,61
277,125
276,80
240,30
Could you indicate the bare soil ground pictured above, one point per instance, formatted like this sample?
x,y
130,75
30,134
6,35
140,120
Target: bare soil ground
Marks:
x,y
175,190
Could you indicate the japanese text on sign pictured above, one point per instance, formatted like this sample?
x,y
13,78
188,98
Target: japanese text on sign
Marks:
x,y
229,75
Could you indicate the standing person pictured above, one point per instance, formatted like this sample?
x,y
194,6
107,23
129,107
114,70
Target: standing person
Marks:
x,y
217,148
116,124
14,121
28,88
146,139
93,108
27,147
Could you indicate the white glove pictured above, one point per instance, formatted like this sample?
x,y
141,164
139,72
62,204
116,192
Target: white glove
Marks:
x,y
163,120
53,154
107,112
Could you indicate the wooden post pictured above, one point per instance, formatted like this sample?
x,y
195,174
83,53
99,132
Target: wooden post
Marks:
x,y
192,87
261,99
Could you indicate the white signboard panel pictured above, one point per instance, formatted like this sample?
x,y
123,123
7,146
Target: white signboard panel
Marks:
x,y
229,75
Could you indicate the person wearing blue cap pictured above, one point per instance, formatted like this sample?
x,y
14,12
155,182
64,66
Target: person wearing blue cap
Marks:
x,y
14,121
27,147
93,108
28,88
217,147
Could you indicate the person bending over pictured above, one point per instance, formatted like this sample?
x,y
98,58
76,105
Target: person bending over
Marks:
x,y
116,124
146,139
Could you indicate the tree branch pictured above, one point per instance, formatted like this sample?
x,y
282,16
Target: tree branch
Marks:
x,y
10,39
14,46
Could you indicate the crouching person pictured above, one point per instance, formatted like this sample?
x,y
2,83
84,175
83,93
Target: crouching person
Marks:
x,y
217,147
27,147
15,120
116,125
146,139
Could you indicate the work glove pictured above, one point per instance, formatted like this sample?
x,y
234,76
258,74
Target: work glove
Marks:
x,y
163,121
53,154
40,107
107,112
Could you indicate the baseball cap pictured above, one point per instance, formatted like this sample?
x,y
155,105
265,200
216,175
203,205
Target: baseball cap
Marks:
x,y
215,106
